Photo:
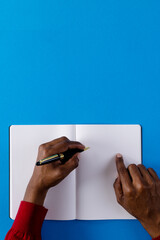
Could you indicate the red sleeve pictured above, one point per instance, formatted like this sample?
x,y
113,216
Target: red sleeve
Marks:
x,y
158,238
28,222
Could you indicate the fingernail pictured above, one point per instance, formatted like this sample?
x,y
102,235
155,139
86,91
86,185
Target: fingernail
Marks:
x,y
118,155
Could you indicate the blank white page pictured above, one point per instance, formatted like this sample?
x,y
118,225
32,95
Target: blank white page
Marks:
x,y
24,142
97,171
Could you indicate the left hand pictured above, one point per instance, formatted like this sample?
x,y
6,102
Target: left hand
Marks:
x,y
138,191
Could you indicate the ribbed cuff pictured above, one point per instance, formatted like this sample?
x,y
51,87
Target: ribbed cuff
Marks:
x,y
30,218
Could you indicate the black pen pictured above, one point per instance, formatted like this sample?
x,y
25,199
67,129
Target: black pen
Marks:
x,y
63,157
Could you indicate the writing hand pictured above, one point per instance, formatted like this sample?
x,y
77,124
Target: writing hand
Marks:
x,y
137,190
49,175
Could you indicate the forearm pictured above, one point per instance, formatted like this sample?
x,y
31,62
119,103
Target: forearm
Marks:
x,y
34,194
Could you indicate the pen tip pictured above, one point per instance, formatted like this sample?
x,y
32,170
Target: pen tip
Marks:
x,y
86,148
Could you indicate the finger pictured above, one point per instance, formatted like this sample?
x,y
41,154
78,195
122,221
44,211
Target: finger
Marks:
x,y
75,144
60,147
146,175
118,189
55,141
64,146
135,174
70,165
123,174
153,174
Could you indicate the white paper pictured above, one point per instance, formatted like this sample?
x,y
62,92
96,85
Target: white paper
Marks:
x,y
24,142
89,193
97,172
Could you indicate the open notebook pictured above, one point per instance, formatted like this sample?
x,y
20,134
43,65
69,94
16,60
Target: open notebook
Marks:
x,y
87,193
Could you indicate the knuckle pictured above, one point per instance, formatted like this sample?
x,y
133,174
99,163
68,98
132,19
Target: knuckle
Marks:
x,y
140,165
65,144
59,173
131,166
140,187
129,191
41,146
43,149
64,138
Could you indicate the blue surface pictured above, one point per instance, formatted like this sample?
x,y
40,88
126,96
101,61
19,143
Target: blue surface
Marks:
x,y
80,62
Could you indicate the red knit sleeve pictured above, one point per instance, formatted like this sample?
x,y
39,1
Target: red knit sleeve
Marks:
x,y
28,222
157,238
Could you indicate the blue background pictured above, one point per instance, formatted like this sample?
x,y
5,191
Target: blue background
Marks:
x,y
80,62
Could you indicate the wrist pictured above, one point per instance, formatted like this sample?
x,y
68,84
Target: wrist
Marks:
x,y
34,195
152,226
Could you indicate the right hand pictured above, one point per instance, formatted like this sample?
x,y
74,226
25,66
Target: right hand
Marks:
x,y
49,175
138,191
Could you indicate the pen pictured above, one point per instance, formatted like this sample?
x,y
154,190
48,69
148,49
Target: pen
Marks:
x,y
63,157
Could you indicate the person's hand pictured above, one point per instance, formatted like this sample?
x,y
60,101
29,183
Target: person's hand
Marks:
x,y
49,175
137,190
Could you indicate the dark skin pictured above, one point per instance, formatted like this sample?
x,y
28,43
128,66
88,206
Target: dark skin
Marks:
x,y
49,175
137,190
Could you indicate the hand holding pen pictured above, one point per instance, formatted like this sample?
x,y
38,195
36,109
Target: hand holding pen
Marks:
x,y
51,174
63,157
